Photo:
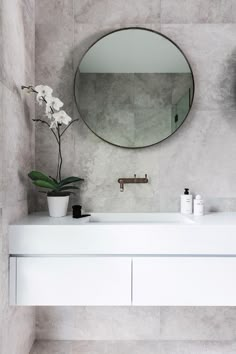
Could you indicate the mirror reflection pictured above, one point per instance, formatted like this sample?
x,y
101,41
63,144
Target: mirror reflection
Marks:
x,y
134,88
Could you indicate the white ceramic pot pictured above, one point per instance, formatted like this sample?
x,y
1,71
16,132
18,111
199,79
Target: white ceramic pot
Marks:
x,y
58,205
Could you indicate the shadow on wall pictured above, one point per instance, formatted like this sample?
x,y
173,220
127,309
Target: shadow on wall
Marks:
x,y
231,65
228,86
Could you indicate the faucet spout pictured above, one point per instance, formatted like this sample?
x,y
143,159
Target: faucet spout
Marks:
x,y
122,181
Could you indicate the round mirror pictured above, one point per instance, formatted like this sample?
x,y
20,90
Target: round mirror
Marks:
x,y
134,87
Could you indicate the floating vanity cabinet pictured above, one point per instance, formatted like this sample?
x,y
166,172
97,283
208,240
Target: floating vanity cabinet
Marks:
x,y
123,259
184,281
71,281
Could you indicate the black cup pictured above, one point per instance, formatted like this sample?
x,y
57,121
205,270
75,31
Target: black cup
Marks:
x,y
76,211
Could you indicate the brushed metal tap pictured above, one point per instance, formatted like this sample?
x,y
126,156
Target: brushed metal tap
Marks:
x,y
122,181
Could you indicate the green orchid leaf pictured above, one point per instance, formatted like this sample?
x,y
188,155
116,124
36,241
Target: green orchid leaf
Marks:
x,y
54,179
69,180
44,184
67,188
36,175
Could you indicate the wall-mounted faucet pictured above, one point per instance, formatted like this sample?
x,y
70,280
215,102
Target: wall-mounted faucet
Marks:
x,y
122,181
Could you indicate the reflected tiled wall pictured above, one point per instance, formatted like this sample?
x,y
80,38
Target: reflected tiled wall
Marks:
x,y
201,155
17,28
131,109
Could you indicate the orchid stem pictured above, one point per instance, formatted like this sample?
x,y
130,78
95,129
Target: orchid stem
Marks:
x,y
43,121
69,125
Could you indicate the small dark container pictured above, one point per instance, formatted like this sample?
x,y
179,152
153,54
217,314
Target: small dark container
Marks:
x,y
76,211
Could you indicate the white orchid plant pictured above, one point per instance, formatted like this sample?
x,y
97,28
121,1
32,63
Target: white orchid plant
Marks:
x,y
58,121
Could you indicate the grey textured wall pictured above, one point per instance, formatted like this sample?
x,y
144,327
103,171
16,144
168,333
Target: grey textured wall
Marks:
x,y
17,38
201,155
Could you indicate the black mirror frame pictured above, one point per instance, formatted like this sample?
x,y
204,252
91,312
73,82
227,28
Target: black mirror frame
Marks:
x,y
122,29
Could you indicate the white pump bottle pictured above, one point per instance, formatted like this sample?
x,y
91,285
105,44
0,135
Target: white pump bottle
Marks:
x,y
186,202
198,206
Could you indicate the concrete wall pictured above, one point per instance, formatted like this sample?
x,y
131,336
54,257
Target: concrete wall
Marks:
x,y
17,37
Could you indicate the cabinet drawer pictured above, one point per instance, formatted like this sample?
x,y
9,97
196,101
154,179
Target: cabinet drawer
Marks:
x,y
72,281
184,281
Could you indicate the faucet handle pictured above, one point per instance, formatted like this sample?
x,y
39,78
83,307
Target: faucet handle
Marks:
x,y
135,175
145,175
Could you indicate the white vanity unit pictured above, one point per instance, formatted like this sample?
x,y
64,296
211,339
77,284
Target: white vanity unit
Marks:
x,y
124,259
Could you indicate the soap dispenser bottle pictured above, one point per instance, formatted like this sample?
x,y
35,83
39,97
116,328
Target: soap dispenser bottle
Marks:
x,y
198,206
186,202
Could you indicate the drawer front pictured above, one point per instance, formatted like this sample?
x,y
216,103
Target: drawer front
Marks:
x,y
184,281
73,281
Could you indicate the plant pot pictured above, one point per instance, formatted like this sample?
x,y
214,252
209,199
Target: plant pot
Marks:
x,y
58,205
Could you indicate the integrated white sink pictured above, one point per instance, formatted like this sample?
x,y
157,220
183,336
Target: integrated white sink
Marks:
x,y
124,233
143,218
146,259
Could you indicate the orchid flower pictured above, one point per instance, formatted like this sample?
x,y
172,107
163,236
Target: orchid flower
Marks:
x,y
43,93
54,104
60,117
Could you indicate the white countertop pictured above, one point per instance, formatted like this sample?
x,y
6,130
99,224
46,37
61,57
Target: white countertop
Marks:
x,y
42,218
124,234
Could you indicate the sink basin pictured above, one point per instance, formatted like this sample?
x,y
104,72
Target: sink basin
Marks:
x,y
153,218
